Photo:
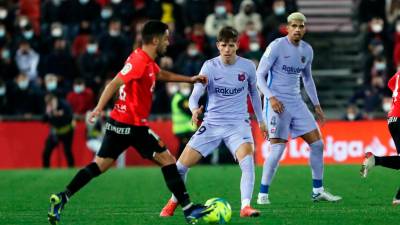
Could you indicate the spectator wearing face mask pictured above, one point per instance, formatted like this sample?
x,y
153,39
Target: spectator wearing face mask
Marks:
x,y
60,62
182,125
51,86
215,21
60,118
28,34
25,99
396,49
7,16
275,23
27,60
115,46
250,35
92,65
81,98
247,13
8,68
190,61
81,40
352,113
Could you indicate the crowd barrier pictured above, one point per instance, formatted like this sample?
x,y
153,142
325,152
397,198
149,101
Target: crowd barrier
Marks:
x,y
22,143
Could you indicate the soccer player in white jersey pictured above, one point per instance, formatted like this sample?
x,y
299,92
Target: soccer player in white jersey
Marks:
x,y
230,80
285,60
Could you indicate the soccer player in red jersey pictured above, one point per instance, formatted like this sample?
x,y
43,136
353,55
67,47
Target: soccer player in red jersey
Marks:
x,y
128,125
392,162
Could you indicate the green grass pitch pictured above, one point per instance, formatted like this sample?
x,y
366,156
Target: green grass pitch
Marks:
x,y
135,196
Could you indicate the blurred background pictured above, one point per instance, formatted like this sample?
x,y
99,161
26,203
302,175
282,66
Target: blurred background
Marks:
x,y
57,56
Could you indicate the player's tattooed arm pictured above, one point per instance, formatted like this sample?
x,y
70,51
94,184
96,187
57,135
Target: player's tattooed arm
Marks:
x,y
106,95
168,76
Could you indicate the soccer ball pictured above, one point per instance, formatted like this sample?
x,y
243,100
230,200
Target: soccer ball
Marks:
x,y
221,213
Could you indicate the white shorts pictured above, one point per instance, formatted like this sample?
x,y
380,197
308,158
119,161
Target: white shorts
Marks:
x,y
209,136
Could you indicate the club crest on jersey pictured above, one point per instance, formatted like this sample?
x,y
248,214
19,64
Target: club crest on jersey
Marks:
x,y
126,69
303,59
241,77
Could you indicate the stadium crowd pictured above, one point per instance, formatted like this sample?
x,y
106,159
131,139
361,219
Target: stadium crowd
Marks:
x,y
380,27
72,48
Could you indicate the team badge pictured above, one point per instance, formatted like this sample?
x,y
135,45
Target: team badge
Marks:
x,y
303,59
241,77
273,130
126,69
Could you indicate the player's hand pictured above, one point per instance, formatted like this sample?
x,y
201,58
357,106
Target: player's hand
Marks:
x,y
199,78
320,114
276,105
264,129
93,115
195,114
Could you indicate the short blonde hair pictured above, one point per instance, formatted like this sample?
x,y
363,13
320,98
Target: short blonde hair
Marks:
x,y
296,16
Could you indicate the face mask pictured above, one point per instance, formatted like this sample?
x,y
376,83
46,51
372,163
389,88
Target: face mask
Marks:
x,y
380,66
2,91
56,32
116,1
114,33
254,47
280,10
2,32
186,91
193,52
398,28
376,28
386,106
220,10
106,13
28,34
78,89
23,85
251,33
57,2
172,89
23,22
3,13
91,48
83,2
5,54
351,116
51,85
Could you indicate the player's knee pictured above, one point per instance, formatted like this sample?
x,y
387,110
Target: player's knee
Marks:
x,y
103,163
317,146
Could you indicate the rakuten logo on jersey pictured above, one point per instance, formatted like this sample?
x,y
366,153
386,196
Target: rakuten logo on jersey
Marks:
x,y
228,91
291,69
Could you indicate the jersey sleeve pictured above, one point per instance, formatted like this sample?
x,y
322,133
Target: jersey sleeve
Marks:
x,y
133,69
308,81
198,89
267,61
254,95
392,82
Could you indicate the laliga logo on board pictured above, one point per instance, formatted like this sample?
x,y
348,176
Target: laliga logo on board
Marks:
x,y
338,150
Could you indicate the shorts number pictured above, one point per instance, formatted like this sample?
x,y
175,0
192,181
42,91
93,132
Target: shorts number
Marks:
x,y
201,130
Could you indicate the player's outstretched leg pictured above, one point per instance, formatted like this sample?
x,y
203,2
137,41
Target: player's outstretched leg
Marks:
x,y
269,170
317,168
58,201
370,160
176,185
172,204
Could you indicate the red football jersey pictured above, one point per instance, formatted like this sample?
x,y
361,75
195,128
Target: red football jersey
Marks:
x,y
136,95
394,85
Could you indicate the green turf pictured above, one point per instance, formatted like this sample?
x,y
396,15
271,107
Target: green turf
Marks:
x,y
135,196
